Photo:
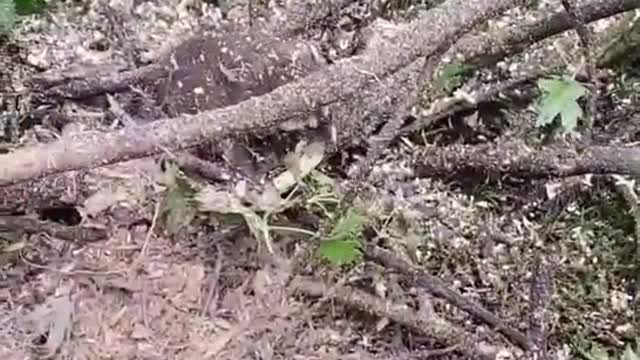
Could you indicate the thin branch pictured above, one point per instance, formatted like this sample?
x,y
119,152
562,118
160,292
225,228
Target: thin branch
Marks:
x,y
433,327
438,288
585,36
26,224
540,297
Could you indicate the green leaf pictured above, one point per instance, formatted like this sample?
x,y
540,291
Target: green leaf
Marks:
x,y
343,243
560,97
29,7
340,252
629,354
179,206
8,16
452,76
349,226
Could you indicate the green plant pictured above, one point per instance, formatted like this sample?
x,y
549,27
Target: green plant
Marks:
x,y
11,11
342,245
8,15
184,198
178,207
29,7
452,76
321,196
598,353
560,96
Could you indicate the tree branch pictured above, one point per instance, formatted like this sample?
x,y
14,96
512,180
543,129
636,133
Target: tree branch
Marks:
x,y
438,288
485,49
517,159
334,84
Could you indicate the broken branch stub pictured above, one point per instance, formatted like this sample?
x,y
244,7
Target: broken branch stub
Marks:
x,y
333,84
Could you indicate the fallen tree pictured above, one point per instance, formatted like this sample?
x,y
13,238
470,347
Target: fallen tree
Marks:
x,y
368,107
367,73
321,88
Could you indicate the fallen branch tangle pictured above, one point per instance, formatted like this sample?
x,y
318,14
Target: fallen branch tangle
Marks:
x,y
331,86
436,287
387,67
434,327
334,84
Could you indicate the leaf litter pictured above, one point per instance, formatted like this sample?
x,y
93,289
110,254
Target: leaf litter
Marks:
x,y
113,309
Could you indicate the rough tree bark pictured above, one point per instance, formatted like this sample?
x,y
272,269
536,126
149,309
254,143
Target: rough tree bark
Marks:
x,y
484,49
515,158
334,84
377,97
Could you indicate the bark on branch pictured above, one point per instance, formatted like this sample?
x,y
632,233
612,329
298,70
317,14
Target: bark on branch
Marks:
x,y
517,159
438,288
336,83
485,49
292,101
435,327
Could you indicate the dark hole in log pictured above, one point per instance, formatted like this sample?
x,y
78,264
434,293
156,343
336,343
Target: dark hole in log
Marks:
x,y
41,339
66,215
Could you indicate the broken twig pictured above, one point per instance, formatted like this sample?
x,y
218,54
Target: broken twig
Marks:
x,y
334,84
438,288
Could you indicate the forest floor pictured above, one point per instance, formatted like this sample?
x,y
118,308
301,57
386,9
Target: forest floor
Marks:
x,y
209,290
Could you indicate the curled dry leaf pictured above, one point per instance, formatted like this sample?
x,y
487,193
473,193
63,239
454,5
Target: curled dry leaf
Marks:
x,y
300,165
221,201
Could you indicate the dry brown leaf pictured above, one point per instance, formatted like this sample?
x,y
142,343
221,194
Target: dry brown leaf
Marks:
x,y
182,285
140,332
54,319
195,278
222,340
60,327
103,200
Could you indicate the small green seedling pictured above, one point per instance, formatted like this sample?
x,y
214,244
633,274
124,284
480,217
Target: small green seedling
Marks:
x,y
453,76
343,246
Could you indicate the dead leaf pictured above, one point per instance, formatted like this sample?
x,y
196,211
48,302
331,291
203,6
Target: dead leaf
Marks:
x,y
221,340
182,284
261,282
195,278
301,164
140,332
269,200
102,200
54,319
14,247
60,327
